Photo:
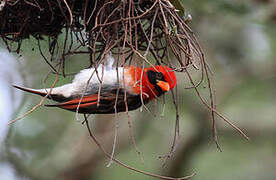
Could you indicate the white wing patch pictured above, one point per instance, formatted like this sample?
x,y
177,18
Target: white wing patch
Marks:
x,y
106,75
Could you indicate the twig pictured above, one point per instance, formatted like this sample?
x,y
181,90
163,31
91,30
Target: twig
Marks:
x,y
126,166
40,103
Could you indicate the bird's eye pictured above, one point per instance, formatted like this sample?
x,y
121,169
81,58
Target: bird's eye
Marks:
x,y
159,76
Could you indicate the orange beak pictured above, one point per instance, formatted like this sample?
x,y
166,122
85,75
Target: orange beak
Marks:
x,y
163,85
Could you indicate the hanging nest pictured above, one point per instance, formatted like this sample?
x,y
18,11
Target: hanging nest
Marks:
x,y
135,30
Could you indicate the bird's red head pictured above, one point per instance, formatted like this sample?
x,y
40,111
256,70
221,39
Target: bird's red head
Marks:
x,y
168,74
159,79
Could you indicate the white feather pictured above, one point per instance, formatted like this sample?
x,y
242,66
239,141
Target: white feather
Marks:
x,y
109,61
89,79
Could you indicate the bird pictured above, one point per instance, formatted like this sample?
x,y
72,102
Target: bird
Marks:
x,y
108,90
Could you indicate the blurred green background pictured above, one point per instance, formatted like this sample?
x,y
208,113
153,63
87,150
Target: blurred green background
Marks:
x,y
239,40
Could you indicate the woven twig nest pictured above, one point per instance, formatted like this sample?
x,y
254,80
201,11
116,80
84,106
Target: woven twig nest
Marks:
x,y
139,31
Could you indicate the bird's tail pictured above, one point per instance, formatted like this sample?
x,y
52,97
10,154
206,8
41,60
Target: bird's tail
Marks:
x,y
34,91
42,92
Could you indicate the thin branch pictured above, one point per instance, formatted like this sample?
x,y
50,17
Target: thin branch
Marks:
x,y
126,166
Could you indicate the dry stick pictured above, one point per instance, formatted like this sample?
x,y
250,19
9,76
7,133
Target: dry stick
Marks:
x,y
151,33
116,117
125,96
32,4
12,4
72,41
181,46
52,42
52,12
143,68
162,108
136,38
163,48
83,93
70,12
164,18
136,47
192,39
40,103
110,15
56,48
61,10
85,11
176,135
145,59
213,105
185,67
126,166
95,5
96,18
100,79
63,52
5,40
215,111
96,66
17,34
87,83
141,90
201,56
194,52
38,5
44,81
142,72
100,86
125,19
211,108
213,83
45,59
130,127
95,40
176,129
116,130
202,68
83,38
180,23
168,36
